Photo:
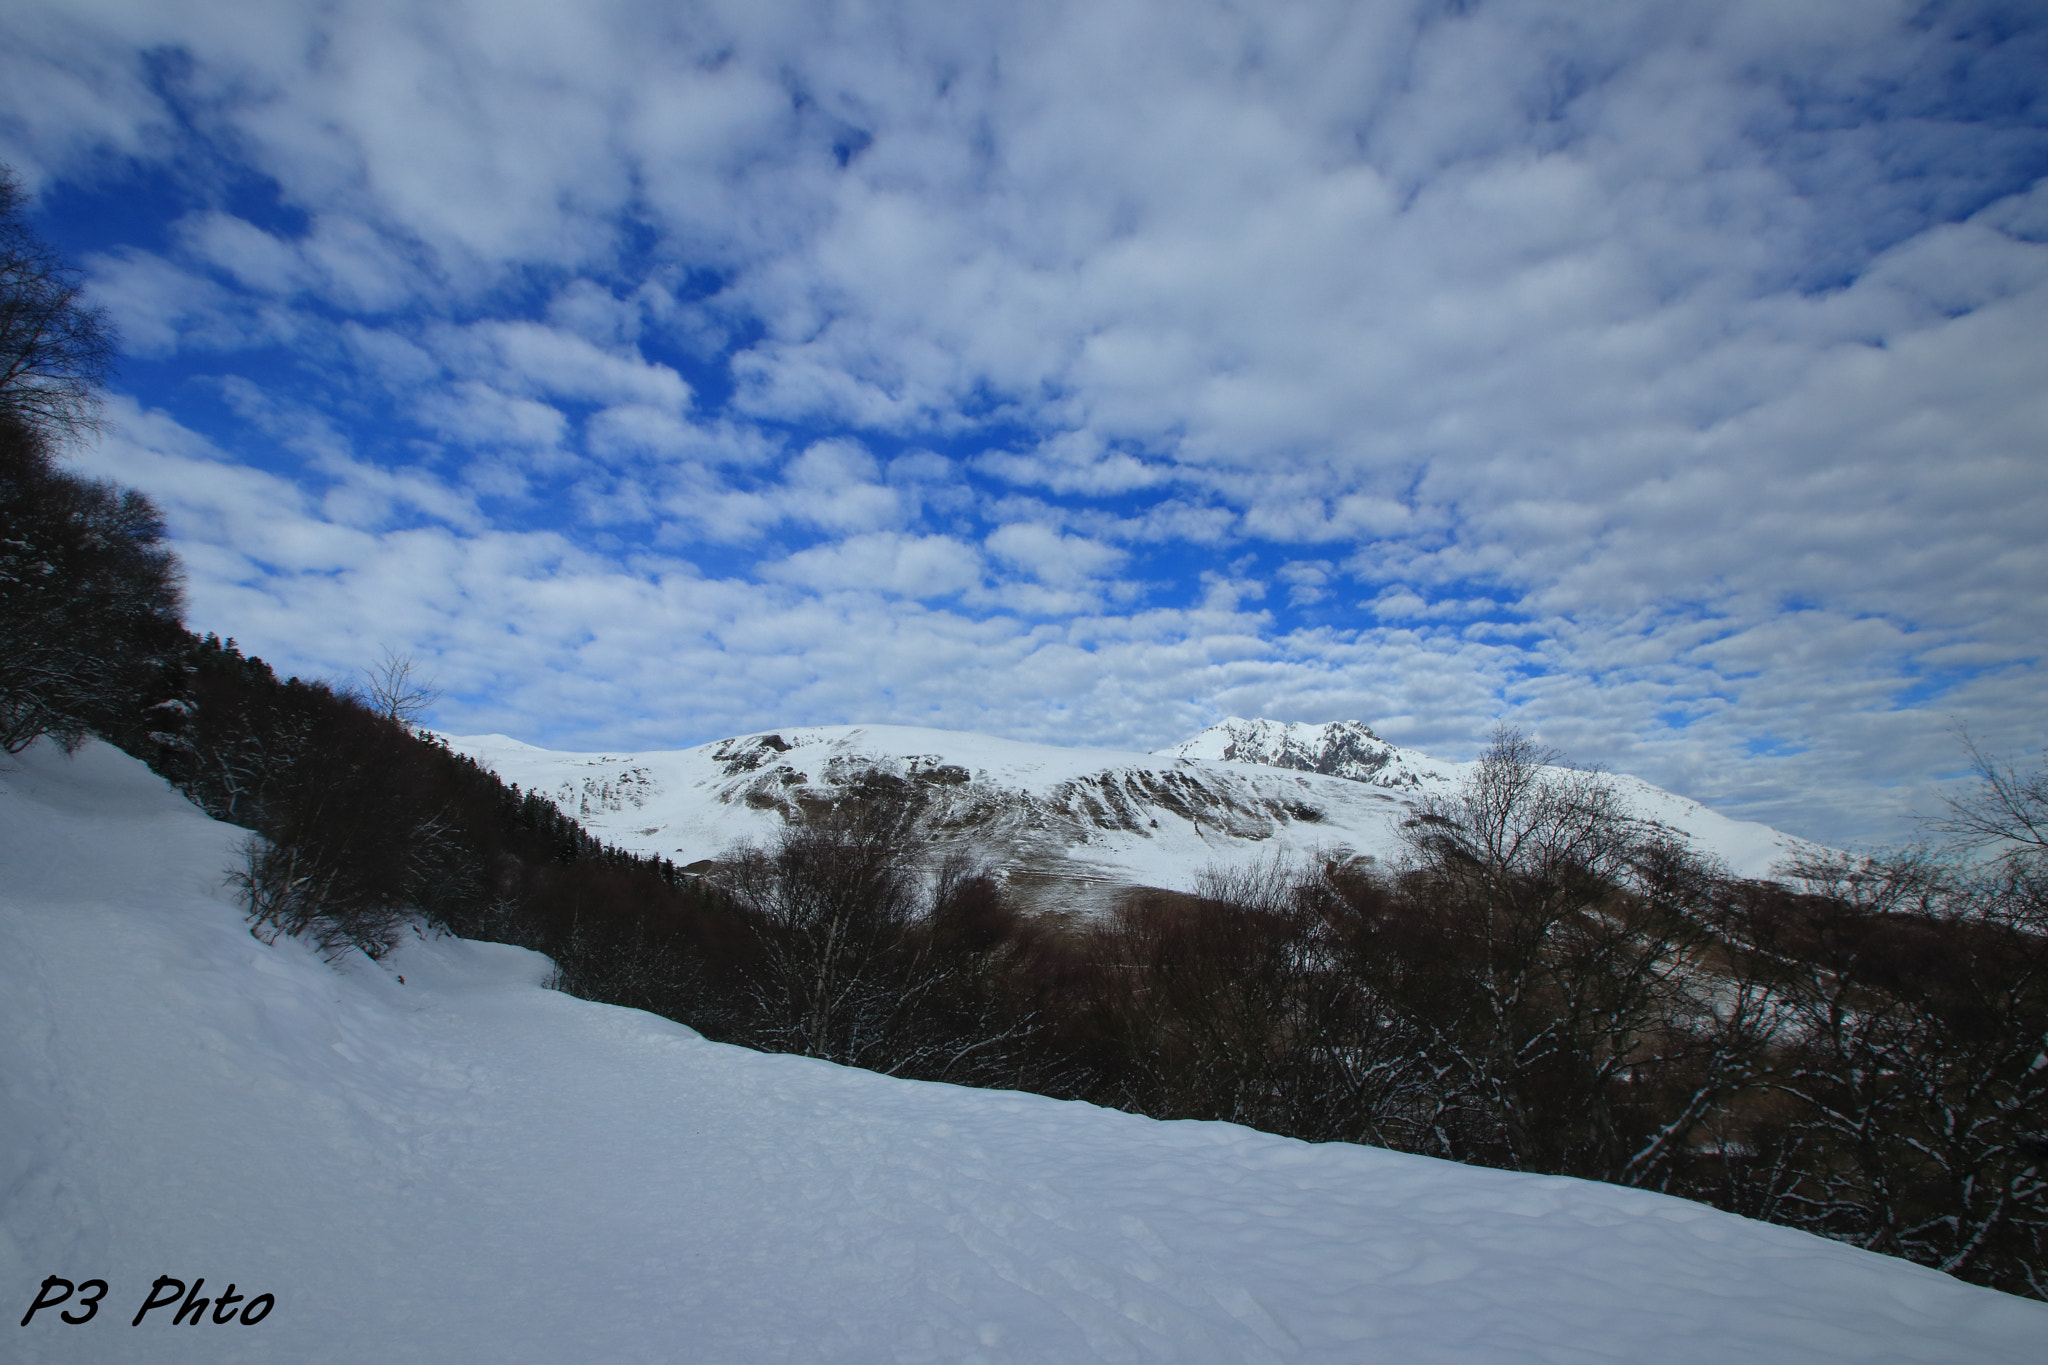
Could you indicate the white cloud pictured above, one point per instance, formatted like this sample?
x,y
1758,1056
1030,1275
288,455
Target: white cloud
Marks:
x,y
534,359
159,307
475,414
633,430
836,484
1075,462
591,311
1612,323
906,566
396,361
1058,560
537,637
252,256
1308,580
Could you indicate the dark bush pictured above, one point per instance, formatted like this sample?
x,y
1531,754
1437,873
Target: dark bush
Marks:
x,y
90,605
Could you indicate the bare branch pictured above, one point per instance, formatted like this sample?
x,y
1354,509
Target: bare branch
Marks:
x,y
2007,810
397,690
55,349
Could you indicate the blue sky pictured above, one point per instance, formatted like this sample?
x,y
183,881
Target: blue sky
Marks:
x,y
1671,381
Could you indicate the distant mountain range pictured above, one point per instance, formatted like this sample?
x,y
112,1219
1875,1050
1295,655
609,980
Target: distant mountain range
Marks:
x,y
1069,828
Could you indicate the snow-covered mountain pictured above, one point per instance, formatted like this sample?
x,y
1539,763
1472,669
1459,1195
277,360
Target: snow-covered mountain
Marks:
x,y
1349,749
1068,826
1338,748
435,1159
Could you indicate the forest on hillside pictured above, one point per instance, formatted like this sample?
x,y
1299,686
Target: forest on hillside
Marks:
x,y
1541,984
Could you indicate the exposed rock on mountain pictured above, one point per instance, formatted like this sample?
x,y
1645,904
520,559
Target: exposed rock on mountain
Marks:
x,y
1338,748
1070,828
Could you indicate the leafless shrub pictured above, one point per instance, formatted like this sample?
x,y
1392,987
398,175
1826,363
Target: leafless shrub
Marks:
x,y
1908,1076
289,890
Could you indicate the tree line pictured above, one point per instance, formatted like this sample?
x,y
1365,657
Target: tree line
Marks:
x,y
1541,983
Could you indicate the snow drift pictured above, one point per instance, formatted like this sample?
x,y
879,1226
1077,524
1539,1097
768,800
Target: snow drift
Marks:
x,y
466,1166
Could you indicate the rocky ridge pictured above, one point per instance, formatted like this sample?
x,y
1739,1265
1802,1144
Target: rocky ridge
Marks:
x,y
1338,748
1070,828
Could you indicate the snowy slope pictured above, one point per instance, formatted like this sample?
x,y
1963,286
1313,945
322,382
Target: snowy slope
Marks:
x,y
1347,748
467,1167
1066,821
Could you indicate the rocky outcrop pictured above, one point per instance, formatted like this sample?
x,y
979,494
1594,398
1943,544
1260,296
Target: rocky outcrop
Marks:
x,y
1339,748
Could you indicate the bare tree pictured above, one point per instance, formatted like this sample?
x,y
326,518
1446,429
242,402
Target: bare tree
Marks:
x,y
836,903
1239,1003
2007,810
397,691
1555,954
55,349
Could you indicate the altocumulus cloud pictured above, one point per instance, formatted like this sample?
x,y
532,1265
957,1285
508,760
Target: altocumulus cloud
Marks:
x,y
1666,379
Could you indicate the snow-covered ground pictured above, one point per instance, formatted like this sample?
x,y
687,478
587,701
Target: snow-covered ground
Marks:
x,y
468,1167
1078,819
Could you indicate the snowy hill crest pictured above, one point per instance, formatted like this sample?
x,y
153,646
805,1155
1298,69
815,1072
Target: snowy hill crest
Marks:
x,y
1077,824
1338,748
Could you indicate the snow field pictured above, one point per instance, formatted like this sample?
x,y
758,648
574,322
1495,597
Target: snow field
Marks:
x,y
469,1167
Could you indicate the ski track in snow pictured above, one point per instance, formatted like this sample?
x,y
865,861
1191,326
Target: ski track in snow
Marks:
x,y
469,1167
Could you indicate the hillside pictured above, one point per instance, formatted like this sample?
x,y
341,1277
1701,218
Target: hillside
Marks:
x,y
1066,822
436,1159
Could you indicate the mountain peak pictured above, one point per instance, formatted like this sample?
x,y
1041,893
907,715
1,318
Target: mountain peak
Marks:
x,y
1337,748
